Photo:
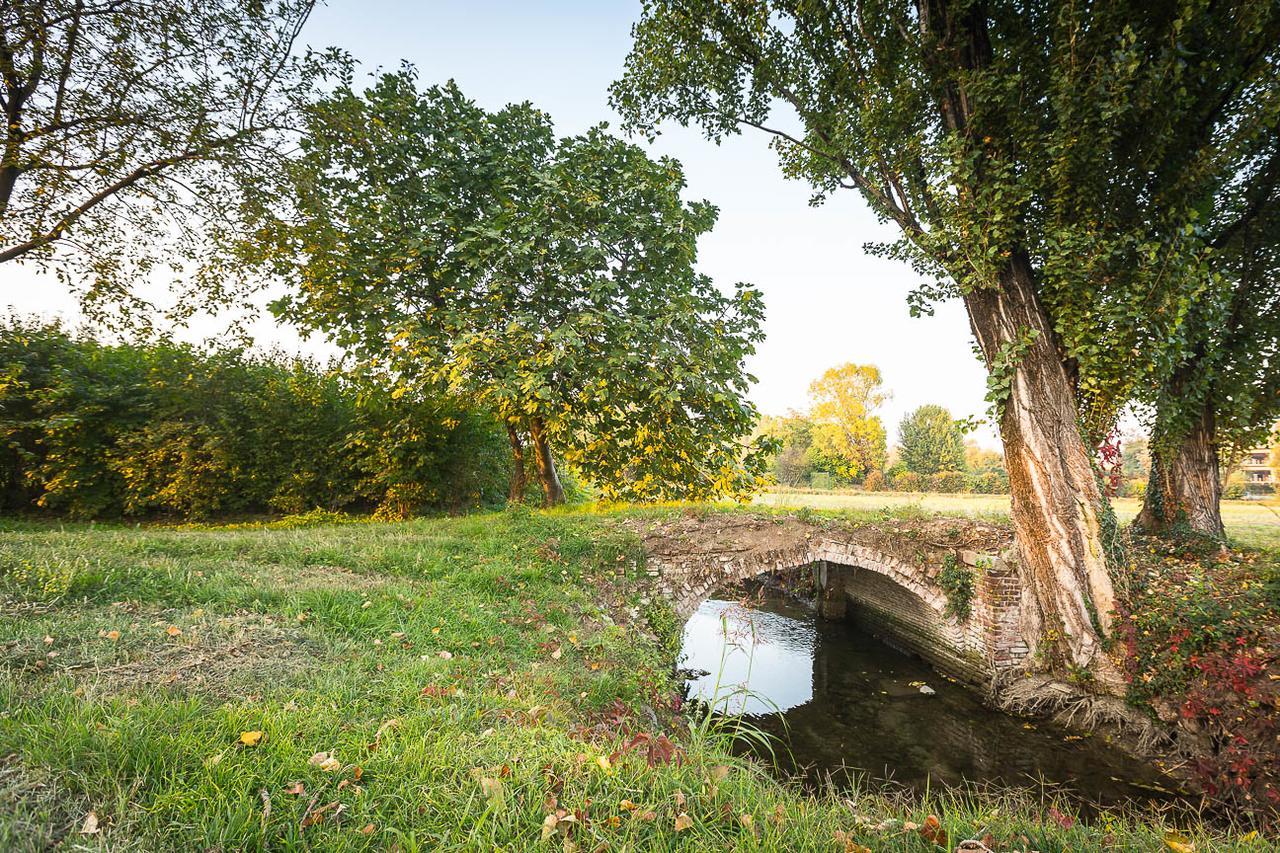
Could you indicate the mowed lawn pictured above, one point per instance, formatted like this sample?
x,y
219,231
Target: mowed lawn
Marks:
x,y
1252,523
492,682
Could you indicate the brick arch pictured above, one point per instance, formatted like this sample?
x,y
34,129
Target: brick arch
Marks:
x,y
974,649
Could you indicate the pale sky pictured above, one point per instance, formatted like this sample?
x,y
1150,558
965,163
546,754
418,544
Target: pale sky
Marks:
x,y
827,301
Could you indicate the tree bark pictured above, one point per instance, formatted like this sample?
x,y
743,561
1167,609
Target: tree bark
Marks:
x,y
1184,486
516,495
552,490
1057,505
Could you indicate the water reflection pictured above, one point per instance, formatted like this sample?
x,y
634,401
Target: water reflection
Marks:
x,y
849,702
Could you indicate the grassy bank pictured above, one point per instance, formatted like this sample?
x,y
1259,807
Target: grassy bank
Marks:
x,y
1252,523
468,683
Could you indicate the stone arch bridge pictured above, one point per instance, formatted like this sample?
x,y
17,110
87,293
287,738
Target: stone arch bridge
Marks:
x,y
884,575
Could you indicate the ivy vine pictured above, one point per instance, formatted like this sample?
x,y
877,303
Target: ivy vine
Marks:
x,y
957,581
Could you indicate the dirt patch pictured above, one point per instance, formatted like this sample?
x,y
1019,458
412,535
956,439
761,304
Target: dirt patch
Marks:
x,y
229,658
220,657
332,578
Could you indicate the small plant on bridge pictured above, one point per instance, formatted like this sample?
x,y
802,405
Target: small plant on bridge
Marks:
x,y
956,580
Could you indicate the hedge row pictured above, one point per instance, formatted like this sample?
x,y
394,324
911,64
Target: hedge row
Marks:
x,y
91,430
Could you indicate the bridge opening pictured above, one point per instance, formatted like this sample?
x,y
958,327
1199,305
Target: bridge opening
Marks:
x,y
844,701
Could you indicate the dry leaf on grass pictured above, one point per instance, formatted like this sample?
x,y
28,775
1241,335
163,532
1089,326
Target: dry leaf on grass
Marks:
x,y
683,822
90,825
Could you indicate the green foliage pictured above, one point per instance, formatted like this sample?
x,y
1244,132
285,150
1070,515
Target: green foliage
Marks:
x,y
136,133
957,581
929,441
550,280
93,430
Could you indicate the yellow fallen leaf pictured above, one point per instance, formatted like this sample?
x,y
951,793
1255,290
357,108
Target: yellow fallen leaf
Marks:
x,y
1178,843
603,762
173,631
251,738
627,806
491,788
683,822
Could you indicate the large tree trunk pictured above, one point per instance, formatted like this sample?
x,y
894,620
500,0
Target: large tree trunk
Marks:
x,y
1058,507
516,494
1184,488
552,491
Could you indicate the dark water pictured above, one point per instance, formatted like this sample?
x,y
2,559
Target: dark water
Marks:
x,y
843,701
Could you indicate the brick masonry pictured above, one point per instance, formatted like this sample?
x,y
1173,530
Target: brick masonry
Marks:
x,y
869,578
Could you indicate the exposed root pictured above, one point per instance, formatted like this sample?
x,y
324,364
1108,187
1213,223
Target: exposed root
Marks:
x,y
1041,696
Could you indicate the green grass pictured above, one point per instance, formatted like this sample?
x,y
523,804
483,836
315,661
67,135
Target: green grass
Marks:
x,y
329,639
1252,523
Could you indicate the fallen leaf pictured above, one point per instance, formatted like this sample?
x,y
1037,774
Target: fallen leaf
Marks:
x,y
933,832
173,631
367,829
251,738
1063,820
719,772
680,799
446,655
491,788
603,762
296,789
1177,842
649,816
549,826
113,635
90,825
556,654
627,806
48,641
683,822
325,761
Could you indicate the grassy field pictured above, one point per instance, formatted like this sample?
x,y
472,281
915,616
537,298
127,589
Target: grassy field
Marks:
x,y
466,683
1252,523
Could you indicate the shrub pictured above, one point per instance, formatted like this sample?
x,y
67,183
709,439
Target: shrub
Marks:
x,y
91,430
949,482
875,482
910,481
990,483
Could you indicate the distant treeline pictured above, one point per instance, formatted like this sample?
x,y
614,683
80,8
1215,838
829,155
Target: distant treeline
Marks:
x,y
96,430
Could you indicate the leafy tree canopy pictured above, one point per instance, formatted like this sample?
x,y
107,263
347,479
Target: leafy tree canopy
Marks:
x,y
551,280
1090,138
930,441
846,429
134,131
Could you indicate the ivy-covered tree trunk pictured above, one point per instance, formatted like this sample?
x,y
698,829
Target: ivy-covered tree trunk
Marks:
x,y
516,494
1184,487
552,490
1058,509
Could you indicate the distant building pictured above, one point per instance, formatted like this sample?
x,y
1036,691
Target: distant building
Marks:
x,y
1256,466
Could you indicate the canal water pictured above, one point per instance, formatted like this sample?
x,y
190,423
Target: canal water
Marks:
x,y
840,701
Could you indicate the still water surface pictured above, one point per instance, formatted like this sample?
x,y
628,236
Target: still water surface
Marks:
x,y
844,701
